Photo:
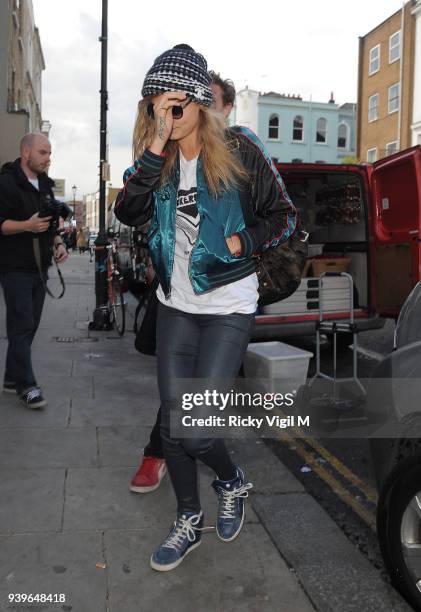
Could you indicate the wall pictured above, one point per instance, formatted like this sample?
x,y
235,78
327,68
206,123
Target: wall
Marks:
x,y
416,116
386,128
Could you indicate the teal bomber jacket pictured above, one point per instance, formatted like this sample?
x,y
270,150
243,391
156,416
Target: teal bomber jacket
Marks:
x,y
258,210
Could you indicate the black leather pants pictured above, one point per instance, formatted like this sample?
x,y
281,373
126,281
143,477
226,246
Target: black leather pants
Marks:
x,y
204,347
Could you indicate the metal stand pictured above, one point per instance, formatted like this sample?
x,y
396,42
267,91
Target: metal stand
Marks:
x,y
334,327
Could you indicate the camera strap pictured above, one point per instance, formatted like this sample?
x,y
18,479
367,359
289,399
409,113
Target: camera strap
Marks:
x,y
37,255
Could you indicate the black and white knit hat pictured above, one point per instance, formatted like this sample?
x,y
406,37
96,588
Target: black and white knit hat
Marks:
x,y
180,69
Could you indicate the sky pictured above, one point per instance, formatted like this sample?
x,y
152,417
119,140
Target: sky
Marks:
x,y
298,47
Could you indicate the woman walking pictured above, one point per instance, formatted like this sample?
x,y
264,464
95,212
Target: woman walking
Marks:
x,y
213,204
81,240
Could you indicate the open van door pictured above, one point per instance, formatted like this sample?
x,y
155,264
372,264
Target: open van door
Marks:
x,y
396,197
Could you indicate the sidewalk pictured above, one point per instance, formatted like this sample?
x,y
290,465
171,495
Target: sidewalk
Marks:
x,y
68,523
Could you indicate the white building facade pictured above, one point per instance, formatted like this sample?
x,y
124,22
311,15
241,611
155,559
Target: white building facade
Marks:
x,y
297,130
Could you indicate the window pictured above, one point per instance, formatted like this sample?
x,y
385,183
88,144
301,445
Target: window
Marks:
x,y
297,131
321,130
391,147
372,155
393,98
373,107
395,47
274,127
374,60
296,160
343,136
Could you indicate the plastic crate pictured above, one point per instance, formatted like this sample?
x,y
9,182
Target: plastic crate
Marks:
x,y
275,366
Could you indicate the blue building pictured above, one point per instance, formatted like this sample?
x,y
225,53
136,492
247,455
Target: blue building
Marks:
x,y
293,129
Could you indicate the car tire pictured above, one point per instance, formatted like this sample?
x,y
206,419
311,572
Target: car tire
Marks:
x,y
399,527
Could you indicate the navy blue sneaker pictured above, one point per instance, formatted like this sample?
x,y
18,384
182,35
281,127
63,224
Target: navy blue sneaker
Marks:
x,y
183,538
232,495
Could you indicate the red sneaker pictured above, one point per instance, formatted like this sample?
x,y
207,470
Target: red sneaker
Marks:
x,y
148,477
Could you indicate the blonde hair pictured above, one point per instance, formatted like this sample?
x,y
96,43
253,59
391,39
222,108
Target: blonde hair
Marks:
x,y
221,168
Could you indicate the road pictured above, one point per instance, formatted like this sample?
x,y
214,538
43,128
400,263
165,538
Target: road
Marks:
x,y
337,472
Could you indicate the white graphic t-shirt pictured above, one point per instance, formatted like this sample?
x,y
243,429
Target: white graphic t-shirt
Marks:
x,y
239,296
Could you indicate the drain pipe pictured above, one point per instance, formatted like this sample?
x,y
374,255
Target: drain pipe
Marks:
x,y
401,76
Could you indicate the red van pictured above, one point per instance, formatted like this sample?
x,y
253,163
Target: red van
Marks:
x,y
366,215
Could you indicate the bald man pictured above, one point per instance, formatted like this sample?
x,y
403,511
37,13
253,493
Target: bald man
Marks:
x,y
23,183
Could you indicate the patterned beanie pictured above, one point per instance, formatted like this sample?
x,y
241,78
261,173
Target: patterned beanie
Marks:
x,y
180,69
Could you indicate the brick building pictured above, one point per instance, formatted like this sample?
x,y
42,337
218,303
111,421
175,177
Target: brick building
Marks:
x,y
21,67
386,86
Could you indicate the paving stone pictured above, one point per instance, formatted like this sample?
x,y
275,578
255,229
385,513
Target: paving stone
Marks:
x,y
56,564
266,472
100,499
106,386
94,360
14,414
48,448
31,500
122,446
216,577
67,387
117,410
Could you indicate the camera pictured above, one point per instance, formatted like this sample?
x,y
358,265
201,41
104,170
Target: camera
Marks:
x,y
50,207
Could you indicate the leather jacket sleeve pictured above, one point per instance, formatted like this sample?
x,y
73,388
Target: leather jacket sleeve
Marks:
x,y
269,214
134,203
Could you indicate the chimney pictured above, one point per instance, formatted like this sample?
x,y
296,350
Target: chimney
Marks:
x,y
332,99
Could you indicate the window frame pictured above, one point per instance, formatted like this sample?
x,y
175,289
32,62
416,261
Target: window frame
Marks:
x,y
370,59
389,99
346,147
393,142
277,127
319,142
391,61
377,107
375,153
294,128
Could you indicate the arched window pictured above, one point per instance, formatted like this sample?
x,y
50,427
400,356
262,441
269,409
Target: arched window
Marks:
x,y
298,126
343,136
321,130
274,127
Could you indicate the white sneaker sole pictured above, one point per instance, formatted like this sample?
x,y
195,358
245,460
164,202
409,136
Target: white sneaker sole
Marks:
x,y
151,488
171,566
39,404
235,534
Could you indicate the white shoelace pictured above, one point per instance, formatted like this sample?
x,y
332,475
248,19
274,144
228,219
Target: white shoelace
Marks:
x,y
183,527
32,394
228,499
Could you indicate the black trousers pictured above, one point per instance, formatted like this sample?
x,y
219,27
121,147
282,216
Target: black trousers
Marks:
x,y
154,446
24,295
200,346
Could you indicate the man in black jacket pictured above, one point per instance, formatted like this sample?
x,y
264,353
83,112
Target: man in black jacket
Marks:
x,y
23,185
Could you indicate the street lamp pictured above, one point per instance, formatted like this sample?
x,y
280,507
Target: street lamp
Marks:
x,y
100,316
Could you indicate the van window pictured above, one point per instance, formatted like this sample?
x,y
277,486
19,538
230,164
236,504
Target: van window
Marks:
x,y
330,205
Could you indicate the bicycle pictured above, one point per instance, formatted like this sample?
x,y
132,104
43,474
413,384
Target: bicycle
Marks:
x,y
115,306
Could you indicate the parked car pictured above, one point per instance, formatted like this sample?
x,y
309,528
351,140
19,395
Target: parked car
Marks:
x,y
364,217
396,392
